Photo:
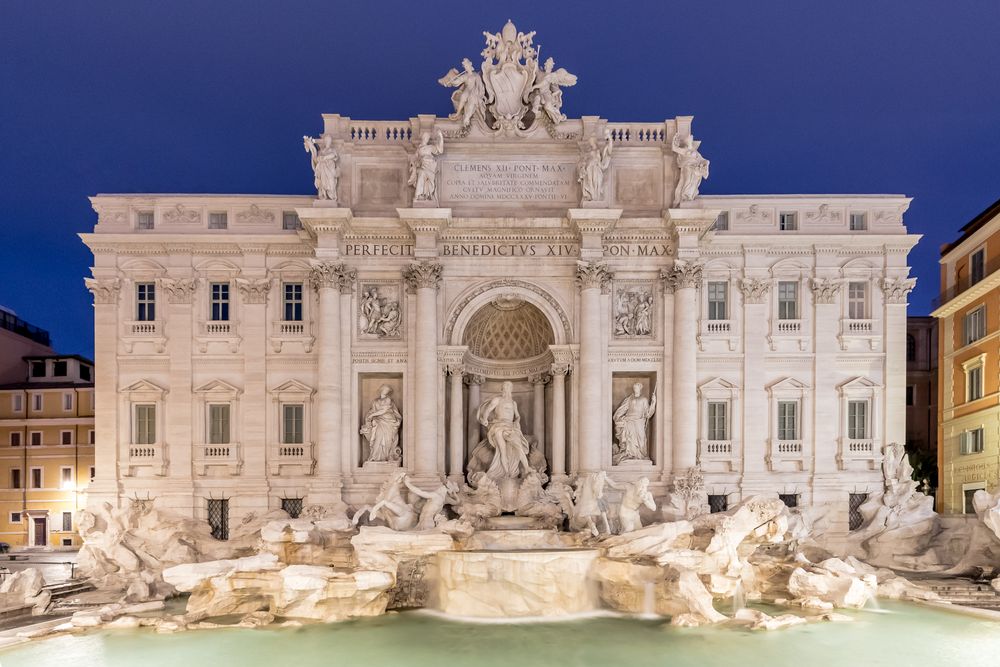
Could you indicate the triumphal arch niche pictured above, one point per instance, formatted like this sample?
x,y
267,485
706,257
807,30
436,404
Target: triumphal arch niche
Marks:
x,y
504,294
541,260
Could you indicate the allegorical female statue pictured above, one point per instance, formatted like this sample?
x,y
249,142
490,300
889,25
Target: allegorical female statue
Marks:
x,y
326,171
630,426
692,165
470,97
590,171
423,167
382,427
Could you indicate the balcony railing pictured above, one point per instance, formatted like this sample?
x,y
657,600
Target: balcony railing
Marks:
x,y
964,283
291,328
217,328
788,327
290,457
717,448
860,447
858,327
144,328
217,454
716,327
637,133
788,447
145,456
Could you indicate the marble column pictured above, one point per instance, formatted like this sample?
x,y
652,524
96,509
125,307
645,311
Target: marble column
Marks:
x,y
559,372
538,408
105,487
475,382
325,279
424,278
685,279
456,425
593,278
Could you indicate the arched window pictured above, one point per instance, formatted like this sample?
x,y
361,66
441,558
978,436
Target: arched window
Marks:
x,y
911,348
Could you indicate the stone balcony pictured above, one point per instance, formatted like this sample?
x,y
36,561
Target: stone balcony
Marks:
x,y
718,330
149,458
218,331
786,455
789,333
139,331
717,455
290,459
859,454
217,455
297,331
866,332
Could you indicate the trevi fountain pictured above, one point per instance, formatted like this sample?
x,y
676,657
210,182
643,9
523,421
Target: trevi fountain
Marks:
x,y
510,428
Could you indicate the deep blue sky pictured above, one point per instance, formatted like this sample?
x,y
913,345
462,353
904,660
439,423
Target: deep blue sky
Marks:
x,y
214,96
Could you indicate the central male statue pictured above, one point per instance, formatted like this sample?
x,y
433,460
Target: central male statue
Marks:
x,y
503,432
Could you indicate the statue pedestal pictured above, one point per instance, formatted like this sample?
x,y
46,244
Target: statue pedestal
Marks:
x,y
644,465
381,466
511,522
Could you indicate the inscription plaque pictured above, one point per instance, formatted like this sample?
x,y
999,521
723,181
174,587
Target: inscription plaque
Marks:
x,y
500,181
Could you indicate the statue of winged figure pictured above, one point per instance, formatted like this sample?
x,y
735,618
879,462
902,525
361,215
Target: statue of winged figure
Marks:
x,y
469,97
545,93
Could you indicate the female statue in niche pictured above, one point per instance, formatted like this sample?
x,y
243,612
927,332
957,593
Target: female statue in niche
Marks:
x,y
630,426
381,427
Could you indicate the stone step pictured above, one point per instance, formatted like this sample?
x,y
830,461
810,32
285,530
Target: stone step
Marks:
x,y
66,588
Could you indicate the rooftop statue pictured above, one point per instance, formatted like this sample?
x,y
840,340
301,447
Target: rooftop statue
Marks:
x,y
510,93
423,167
326,171
693,167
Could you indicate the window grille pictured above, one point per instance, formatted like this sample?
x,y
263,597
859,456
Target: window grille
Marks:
x,y
718,503
293,506
218,518
790,499
854,518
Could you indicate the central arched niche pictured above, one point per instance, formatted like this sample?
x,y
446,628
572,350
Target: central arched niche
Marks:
x,y
507,329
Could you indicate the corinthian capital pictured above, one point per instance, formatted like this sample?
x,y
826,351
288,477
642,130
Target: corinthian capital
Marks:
x,y
825,290
328,274
179,290
755,289
593,274
682,275
422,274
346,279
254,290
897,289
104,291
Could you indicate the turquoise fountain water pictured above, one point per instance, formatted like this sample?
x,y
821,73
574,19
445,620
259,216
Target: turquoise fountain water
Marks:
x,y
908,635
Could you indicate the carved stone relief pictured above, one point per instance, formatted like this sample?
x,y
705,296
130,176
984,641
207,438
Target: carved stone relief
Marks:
x,y
633,310
380,313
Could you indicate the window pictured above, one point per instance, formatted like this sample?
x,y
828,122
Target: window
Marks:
x,y
717,300
290,220
971,441
93,473
977,266
218,518
968,496
857,420
65,437
91,440
911,391
974,324
59,369
718,420
788,300
788,420
858,222
67,541
293,506
218,424
854,517
857,301
790,499
15,478
85,372
220,302
144,220
145,424
974,383
788,222
15,517
67,524
36,478
718,503
911,348
35,438
36,402
66,479
145,302
291,424
293,302
721,223
218,221
67,401
17,402
37,369
15,438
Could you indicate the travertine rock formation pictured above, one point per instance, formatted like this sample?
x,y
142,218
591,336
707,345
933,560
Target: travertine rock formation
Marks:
x,y
24,589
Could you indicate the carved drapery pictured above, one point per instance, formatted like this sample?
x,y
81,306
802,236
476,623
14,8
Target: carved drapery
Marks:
x,y
254,290
179,290
594,274
755,290
897,289
825,290
104,291
422,274
682,275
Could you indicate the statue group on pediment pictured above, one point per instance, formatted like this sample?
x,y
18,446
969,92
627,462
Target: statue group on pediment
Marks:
x,y
510,93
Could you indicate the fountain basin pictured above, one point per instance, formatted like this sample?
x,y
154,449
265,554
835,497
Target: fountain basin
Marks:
x,y
524,539
516,583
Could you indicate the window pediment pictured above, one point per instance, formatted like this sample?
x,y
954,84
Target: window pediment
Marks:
x,y
218,389
718,388
787,387
144,389
292,390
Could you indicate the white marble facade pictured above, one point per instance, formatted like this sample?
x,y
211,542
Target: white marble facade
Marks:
x,y
774,343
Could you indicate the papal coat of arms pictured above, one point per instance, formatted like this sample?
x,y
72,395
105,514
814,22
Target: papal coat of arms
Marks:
x,y
510,93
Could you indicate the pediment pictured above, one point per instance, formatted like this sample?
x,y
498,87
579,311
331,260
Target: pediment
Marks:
x,y
718,387
219,387
143,387
860,382
787,385
293,387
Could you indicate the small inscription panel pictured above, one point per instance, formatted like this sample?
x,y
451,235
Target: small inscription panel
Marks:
x,y
500,181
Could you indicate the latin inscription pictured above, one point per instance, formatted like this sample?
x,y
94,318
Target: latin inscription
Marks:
x,y
508,181
379,249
